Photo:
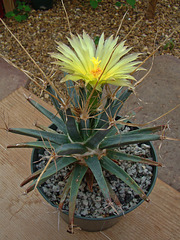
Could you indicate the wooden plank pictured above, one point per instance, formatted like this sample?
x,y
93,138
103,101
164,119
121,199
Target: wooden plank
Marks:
x,y
150,12
30,217
8,5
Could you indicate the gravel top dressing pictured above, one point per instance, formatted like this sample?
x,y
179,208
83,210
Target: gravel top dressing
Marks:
x,y
92,204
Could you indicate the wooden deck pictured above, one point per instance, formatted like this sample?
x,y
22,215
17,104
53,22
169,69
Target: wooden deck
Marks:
x,y
30,217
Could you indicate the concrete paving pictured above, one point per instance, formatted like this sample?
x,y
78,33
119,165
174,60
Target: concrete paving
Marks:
x,y
159,93
10,79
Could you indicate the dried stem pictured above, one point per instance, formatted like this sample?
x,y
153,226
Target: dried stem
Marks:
x,y
142,79
67,18
132,28
121,24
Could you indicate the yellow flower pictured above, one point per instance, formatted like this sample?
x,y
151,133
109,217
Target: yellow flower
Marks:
x,y
105,64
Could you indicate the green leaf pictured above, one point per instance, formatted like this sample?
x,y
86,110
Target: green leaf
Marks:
x,y
24,17
123,139
115,129
82,97
113,194
119,102
54,168
96,40
60,164
65,191
72,93
113,168
32,176
46,129
77,176
37,144
119,93
20,6
85,128
53,137
16,11
118,4
148,130
113,107
30,188
10,14
131,2
27,8
97,137
71,148
18,18
115,155
55,101
95,166
95,100
165,46
57,121
94,3
72,127
36,174
169,44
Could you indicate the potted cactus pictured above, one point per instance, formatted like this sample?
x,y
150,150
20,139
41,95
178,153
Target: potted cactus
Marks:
x,y
86,135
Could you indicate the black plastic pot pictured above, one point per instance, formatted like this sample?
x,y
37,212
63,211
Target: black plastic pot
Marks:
x,y
95,224
42,4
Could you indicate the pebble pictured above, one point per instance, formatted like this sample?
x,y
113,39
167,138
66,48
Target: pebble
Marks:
x,y
61,183
149,167
46,96
84,212
85,202
98,199
145,49
97,205
55,188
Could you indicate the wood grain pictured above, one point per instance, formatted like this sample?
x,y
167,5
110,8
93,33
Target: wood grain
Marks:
x,y
30,217
8,5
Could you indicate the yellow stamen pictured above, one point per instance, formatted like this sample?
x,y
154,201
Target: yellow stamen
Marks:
x,y
95,62
96,71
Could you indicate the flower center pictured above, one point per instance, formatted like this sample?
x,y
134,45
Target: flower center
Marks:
x,y
96,71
